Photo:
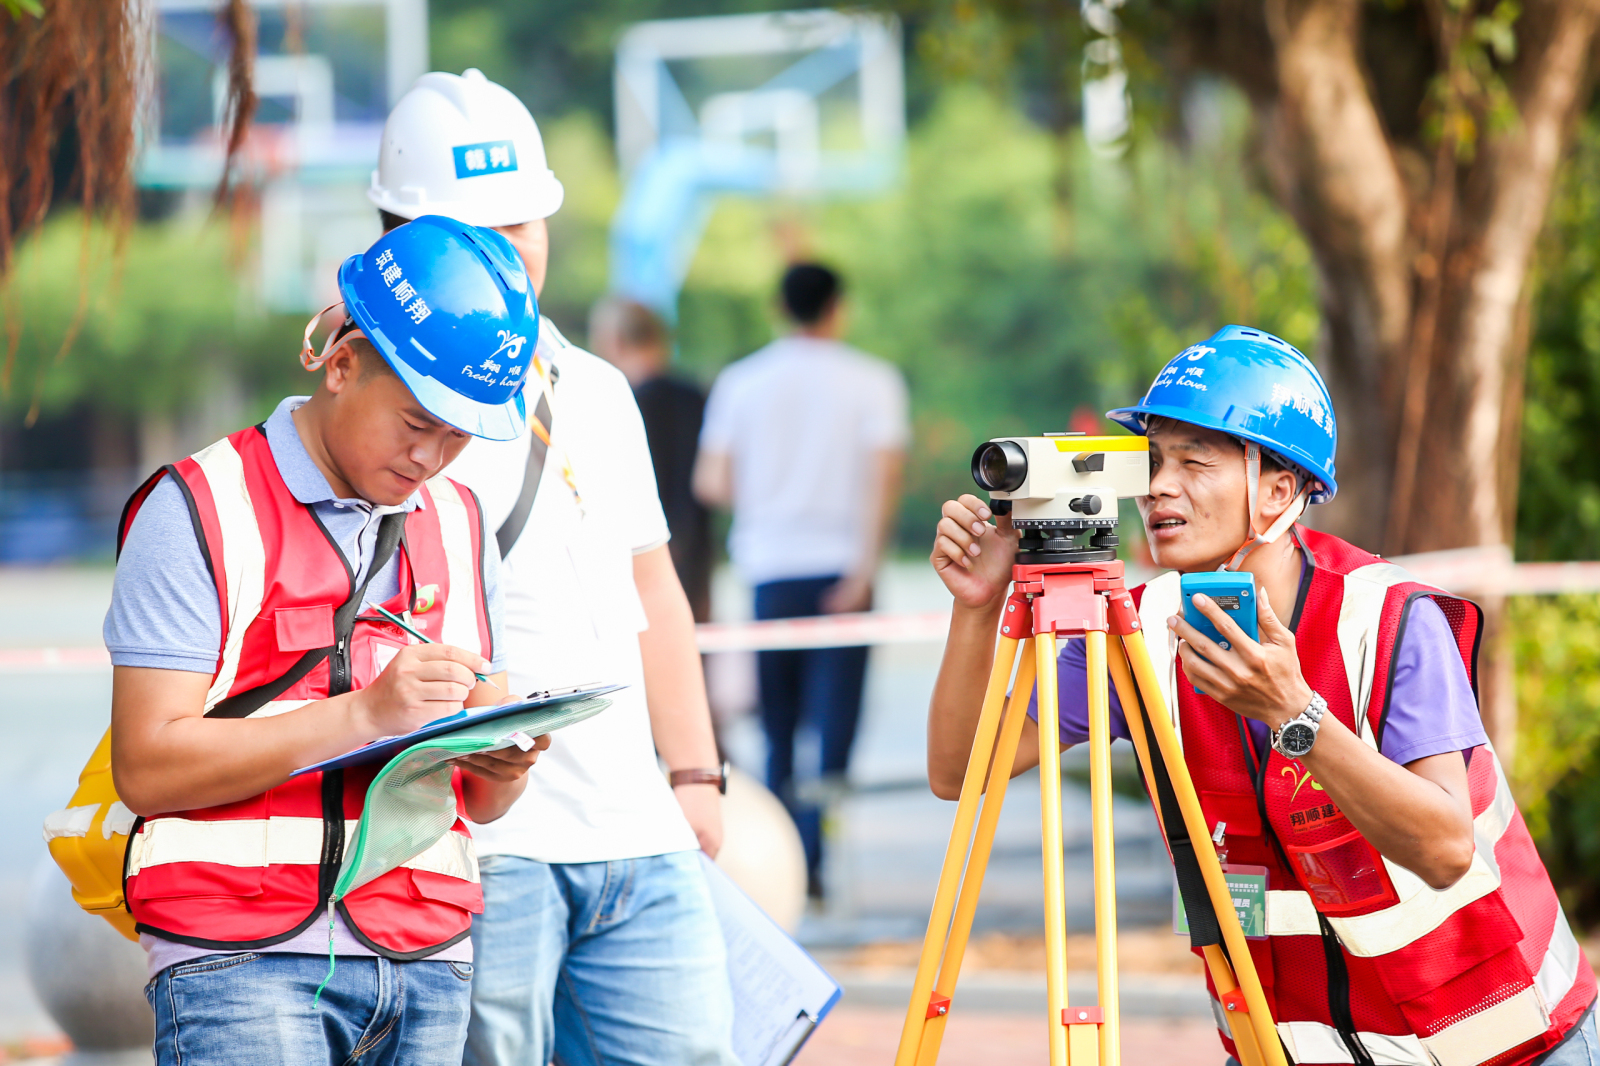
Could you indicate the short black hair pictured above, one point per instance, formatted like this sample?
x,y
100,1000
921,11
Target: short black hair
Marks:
x,y
809,291
391,220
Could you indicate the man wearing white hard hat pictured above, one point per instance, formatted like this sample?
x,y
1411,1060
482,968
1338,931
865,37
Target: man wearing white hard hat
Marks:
x,y
598,942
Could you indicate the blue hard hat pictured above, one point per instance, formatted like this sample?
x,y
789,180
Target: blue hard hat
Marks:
x,y
451,309
1254,386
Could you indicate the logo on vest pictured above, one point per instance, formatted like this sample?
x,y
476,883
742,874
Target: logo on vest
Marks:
x,y
1318,813
1301,778
426,595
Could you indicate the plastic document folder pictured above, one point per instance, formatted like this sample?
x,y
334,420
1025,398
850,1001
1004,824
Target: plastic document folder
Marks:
x,y
555,705
780,994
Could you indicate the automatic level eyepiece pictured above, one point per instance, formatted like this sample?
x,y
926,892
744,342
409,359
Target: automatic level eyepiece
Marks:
x,y
999,466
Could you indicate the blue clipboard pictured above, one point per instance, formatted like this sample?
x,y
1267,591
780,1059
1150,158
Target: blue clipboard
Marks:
x,y
381,751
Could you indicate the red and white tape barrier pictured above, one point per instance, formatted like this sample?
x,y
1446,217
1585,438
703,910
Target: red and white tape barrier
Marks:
x,y
1486,571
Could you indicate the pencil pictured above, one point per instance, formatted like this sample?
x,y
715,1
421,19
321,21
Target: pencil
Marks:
x,y
397,620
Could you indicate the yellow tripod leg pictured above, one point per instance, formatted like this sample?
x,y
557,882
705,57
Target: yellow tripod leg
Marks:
x,y
1055,913
1105,868
1222,976
950,875
1005,755
1259,1014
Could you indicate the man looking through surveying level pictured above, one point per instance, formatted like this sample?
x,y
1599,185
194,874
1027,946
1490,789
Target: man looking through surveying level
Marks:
x,y
1409,919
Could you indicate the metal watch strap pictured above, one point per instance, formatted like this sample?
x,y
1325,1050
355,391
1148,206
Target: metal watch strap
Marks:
x,y
1312,716
718,777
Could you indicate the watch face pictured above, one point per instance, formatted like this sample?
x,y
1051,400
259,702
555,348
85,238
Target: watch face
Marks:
x,y
1296,739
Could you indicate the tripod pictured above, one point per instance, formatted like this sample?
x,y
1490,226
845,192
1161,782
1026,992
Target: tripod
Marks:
x,y
1082,594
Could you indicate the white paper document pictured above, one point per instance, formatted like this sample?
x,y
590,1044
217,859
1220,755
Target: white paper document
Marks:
x,y
780,994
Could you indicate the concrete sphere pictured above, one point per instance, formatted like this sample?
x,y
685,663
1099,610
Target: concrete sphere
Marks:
x,y
761,850
88,976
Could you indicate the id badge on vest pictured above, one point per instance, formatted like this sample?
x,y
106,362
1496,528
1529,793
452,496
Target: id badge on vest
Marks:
x,y
1248,887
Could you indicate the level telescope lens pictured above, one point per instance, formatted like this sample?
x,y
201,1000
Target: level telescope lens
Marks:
x,y
1000,466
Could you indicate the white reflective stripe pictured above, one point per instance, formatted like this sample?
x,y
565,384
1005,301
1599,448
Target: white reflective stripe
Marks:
x,y
1162,598
1291,914
70,821
1481,1036
1559,970
1315,1042
275,707
452,855
1360,611
455,530
242,557
251,842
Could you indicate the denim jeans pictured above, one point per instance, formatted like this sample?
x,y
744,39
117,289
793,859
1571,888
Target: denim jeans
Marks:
x,y
599,962
819,686
1581,1048
261,1010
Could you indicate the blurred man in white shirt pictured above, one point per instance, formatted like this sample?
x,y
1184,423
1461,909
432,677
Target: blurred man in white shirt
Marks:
x,y
805,441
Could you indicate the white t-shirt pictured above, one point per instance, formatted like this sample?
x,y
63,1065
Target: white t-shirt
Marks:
x,y
573,616
800,418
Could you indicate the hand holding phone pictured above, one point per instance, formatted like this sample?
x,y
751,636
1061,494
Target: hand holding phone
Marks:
x,y
1232,591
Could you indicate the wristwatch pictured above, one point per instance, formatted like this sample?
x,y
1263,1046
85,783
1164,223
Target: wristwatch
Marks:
x,y
1294,740
718,777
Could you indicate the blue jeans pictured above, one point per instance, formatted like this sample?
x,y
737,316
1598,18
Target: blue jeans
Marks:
x,y
821,686
1581,1048
260,1010
599,962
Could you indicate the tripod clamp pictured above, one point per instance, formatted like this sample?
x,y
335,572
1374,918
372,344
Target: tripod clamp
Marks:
x,y
1068,599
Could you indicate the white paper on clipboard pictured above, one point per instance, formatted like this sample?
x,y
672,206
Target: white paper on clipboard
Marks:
x,y
780,993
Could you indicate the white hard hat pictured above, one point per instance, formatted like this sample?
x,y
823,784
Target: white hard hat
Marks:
x,y
466,148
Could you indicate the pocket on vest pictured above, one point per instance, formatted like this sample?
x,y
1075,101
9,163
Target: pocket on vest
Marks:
x,y
194,881
439,888
303,628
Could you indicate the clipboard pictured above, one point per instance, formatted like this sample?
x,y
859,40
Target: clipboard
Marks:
x,y
780,993
381,751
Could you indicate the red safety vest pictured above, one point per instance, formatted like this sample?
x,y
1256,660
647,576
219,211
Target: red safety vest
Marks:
x,y
259,871
1357,948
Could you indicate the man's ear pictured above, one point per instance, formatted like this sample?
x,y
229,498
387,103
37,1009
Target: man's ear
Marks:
x,y
1278,490
341,370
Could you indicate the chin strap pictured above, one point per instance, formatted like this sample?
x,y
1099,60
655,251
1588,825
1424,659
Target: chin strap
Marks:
x,y
314,362
1252,477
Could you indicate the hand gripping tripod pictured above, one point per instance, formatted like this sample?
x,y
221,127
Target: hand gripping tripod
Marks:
x,y
1048,601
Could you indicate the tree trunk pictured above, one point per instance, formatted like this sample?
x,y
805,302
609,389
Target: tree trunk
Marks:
x,y
1332,165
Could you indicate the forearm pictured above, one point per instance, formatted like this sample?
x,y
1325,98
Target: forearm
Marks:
x,y
674,684
958,695
192,762
1413,821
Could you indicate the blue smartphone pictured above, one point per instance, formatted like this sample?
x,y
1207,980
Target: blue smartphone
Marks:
x,y
1234,592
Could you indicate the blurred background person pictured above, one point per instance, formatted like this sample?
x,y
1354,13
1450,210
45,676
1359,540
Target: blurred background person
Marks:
x,y
805,442
636,341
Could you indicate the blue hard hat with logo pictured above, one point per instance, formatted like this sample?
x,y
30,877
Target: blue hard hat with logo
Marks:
x,y
1254,386
451,309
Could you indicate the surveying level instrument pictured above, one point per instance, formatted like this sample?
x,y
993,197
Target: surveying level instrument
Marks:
x,y
1058,488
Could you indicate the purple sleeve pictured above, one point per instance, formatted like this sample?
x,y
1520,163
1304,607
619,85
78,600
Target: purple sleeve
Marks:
x,y
1431,707
1072,676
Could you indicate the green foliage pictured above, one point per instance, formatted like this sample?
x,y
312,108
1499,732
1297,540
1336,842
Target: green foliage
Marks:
x,y
159,328
1558,512
1013,277
1557,766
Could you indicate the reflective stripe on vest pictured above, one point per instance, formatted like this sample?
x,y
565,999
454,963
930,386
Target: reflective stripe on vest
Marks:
x,y
274,841
1491,1018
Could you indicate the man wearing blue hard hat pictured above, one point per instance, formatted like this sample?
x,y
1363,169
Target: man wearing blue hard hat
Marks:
x,y
1339,758
246,645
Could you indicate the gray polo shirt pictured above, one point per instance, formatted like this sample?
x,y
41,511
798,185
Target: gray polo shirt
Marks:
x,y
164,614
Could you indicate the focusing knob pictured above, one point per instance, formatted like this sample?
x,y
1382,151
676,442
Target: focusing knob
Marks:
x,y
1086,505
